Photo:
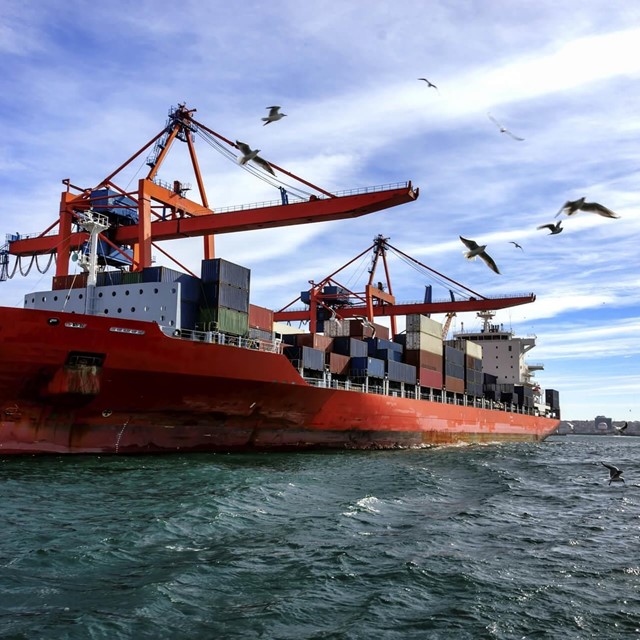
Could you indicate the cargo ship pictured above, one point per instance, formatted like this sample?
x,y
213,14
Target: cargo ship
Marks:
x,y
128,357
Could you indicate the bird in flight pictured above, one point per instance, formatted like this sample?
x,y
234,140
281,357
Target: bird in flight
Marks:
x,y
573,206
478,250
274,115
622,429
516,245
553,228
615,474
252,154
429,84
504,129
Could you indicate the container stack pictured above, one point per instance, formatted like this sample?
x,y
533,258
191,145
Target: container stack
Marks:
x,y
306,358
72,281
224,303
473,378
260,323
524,395
423,349
453,369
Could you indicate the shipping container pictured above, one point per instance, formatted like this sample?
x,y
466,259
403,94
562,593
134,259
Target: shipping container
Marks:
x,y
467,347
72,281
109,278
364,366
224,320
219,270
336,328
350,346
489,378
454,384
190,286
423,342
424,359
221,294
388,354
260,318
314,340
429,378
260,334
338,364
400,372
305,358
131,277
422,324
377,343
453,356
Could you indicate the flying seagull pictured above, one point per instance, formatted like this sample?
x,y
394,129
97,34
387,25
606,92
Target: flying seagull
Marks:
x,y
622,428
615,474
476,249
252,154
504,129
517,246
274,115
553,228
429,84
573,206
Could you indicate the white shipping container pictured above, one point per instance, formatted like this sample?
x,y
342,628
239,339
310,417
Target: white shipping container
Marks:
x,y
419,323
424,342
336,328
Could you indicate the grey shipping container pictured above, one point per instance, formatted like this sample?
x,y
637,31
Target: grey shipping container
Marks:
x,y
376,344
219,270
305,357
221,294
400,372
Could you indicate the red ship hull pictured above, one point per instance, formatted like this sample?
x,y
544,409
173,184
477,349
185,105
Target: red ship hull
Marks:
x,y
153,393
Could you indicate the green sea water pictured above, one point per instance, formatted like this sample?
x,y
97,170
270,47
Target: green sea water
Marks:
x,y
496,541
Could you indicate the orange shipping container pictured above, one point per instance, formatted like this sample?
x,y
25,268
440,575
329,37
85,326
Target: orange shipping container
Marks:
x,y
260,318
424,359
338,363
314,340
454,384
74,281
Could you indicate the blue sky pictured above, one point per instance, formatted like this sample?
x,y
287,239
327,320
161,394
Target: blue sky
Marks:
x,y
85,84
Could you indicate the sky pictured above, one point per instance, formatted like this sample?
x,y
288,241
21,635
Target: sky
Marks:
x,y
85,85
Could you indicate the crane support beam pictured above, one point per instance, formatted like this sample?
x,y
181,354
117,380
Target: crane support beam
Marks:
x,y
200,221
392,310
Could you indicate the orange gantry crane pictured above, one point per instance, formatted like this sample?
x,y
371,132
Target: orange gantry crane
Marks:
x,y
158,211
329,299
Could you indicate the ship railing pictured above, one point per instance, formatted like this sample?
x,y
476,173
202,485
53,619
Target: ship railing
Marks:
x,y
218,337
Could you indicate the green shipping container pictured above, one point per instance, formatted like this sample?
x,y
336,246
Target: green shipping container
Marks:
x,y
224,320
131,277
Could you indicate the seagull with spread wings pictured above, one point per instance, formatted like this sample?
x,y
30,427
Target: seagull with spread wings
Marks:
x,y
553,228
249,154
429,84
516,245
573,206
615,474
478,250
274,115
504,129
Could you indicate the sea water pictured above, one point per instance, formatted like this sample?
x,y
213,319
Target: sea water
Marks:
x,y
496,541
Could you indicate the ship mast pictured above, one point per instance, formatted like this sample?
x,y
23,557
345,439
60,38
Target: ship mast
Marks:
x,y
95,223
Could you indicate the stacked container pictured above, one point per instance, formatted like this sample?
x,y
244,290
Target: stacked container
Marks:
x,y
424,349
260,323
453,369
473,377
224,303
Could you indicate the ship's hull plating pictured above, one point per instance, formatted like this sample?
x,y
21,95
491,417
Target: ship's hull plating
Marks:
x,y
149,393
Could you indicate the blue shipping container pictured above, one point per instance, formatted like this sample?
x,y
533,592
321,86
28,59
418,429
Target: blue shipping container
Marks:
x,y
363,366
389,354
350,347
378,344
